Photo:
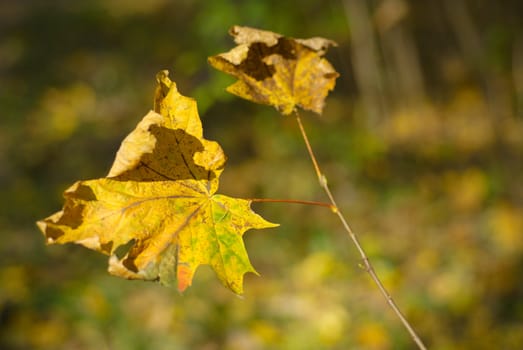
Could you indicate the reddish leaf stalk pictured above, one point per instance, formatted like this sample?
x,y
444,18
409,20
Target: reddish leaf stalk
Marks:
x,y
293,201
366,262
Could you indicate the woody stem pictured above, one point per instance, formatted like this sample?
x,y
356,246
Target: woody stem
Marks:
x,y
367,264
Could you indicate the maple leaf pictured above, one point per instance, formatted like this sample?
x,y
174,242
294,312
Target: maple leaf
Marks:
x,y
160,198
278,71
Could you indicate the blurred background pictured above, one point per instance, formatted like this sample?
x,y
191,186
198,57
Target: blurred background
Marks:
x,y
422,143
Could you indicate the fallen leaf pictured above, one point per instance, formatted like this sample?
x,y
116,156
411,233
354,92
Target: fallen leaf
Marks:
x,y
160,199
279,71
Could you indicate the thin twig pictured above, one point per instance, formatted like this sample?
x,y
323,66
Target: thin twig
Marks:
x,y
368,266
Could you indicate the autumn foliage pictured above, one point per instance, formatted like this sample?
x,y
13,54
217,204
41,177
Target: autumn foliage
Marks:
x,y
283,72
421,141
160,194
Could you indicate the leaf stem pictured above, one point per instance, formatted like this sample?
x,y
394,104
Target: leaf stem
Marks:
x,y
293,201
368,266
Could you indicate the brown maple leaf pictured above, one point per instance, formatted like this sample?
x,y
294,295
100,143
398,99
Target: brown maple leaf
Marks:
x,y
278,71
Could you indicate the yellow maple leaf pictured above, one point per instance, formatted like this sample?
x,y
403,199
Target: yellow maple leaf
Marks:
x,y
168,144
279,71
160,195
